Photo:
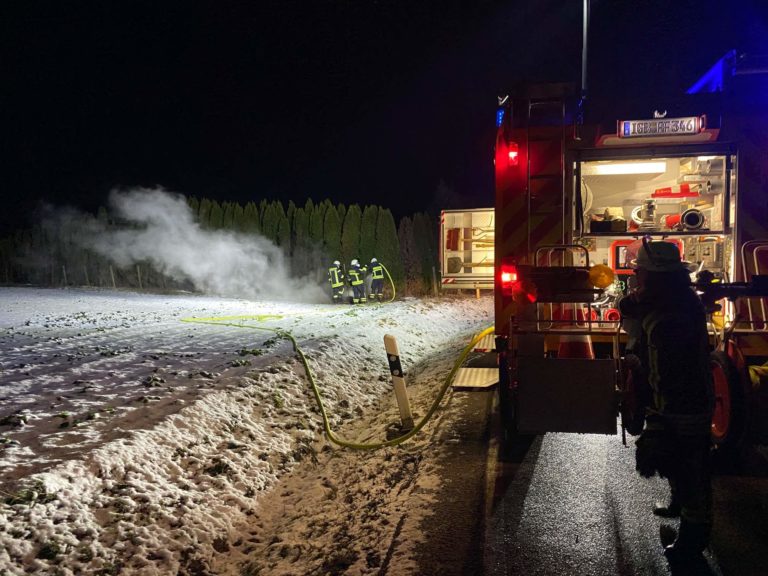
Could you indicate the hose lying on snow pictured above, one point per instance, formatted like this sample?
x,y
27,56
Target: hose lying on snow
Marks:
x,y
326,424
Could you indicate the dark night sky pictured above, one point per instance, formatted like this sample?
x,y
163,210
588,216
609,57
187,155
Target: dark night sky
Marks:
x,y
357,100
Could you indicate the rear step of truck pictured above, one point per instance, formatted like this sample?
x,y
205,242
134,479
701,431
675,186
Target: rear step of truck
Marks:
x,y
482,373
475,378
487,344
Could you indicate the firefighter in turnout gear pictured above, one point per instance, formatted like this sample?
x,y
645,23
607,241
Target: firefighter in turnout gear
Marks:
x,y
336,279
356,276
377,281
675,356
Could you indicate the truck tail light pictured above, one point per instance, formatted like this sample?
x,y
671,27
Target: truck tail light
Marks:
x,y
512,284
513,153
509,279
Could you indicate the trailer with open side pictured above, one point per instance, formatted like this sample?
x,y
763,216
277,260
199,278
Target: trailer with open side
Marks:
x,y
466,249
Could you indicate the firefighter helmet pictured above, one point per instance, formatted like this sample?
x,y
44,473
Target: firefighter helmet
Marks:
x,y
660,256
336,263
355,262
373,260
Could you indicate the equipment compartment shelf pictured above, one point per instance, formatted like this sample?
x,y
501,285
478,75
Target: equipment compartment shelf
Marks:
x,y
650,233
661,195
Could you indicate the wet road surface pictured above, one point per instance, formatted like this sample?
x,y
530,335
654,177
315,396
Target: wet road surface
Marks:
x,y
572,504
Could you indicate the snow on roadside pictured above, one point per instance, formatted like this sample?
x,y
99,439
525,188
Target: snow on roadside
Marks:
x,y
358,512
170,489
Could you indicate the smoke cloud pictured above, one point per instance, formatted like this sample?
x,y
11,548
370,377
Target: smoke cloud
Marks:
x,y
162,230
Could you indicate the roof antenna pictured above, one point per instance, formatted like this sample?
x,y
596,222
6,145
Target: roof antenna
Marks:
x,y
583,92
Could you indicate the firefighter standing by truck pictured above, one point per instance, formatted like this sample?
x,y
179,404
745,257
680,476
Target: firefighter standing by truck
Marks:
x,y
675,356
356,276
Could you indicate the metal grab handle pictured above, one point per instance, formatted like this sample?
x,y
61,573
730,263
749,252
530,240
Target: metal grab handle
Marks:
x,y
755,247
561,248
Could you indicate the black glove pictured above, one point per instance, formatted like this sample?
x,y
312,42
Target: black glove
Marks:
x,y
654,451
646,448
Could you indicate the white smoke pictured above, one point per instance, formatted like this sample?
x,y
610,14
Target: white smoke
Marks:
x,y
163,232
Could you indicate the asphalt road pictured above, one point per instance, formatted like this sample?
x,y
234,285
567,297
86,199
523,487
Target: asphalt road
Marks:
x,y
573,505
569,504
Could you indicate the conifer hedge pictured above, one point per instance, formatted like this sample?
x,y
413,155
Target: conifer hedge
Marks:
x,y
311,236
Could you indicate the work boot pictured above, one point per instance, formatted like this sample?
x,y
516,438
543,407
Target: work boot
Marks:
x,y
682,556
667,535
671,510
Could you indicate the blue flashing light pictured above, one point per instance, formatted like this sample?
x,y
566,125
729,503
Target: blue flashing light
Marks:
x,y
714,79
499,117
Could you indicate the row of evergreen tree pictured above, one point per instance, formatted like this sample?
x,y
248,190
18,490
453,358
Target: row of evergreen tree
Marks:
x,y
311,236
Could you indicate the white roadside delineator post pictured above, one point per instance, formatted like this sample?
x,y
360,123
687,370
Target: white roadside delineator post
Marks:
x,y
398,381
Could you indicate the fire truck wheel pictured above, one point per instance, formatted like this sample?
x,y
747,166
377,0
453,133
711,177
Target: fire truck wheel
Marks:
x,y
729,416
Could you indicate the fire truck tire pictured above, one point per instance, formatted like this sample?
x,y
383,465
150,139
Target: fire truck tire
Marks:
x,y
729,417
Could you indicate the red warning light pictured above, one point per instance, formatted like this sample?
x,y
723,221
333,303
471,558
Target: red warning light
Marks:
x,y
513,284
513,153
508,279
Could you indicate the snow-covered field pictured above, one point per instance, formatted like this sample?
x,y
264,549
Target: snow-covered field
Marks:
x,y
134,443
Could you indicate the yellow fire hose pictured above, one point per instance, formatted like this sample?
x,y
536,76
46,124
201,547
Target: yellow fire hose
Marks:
x,y
326,424
391,283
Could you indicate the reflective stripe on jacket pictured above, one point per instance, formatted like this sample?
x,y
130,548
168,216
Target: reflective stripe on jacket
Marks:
x,y
377,272
355,277
335,277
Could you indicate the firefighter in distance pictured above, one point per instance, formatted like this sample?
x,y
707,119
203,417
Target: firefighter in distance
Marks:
x,y
674,355
356,276
336,280
377,281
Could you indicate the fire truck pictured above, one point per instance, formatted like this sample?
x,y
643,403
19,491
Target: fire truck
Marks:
x,y
579,185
